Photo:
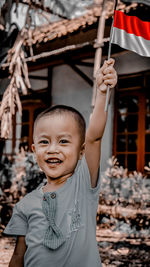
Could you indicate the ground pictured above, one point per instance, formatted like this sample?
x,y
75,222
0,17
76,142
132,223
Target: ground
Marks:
x,y
132,253
6,250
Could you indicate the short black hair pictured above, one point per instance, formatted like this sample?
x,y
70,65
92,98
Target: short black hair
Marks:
x,y
62,109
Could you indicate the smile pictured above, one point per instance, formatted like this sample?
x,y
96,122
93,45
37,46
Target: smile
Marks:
x,y
54,161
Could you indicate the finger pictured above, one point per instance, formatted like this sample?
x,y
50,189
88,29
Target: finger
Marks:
x,y
103,88
111,83
104,66
109,69
108,76
111,73
110,61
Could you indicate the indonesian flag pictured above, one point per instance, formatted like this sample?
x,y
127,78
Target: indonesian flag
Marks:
x,y
132,33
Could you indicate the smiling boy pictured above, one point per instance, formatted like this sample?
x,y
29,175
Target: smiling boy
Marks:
x,y
58,144
55,224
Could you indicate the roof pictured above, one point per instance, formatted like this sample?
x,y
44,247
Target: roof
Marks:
x,y
63,27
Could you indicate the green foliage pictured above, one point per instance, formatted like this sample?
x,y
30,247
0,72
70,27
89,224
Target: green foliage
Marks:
x,y
33,176
124,203
16,179
118,186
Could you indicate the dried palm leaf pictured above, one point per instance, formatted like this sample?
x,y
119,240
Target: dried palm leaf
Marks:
x,y
19,80
18,102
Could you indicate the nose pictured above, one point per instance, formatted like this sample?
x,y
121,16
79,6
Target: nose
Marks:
x,y
52,148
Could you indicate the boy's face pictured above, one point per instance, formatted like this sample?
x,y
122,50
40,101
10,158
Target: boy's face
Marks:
x,y
57,145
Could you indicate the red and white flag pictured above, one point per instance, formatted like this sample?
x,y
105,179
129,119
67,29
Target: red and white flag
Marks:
x,y
132,33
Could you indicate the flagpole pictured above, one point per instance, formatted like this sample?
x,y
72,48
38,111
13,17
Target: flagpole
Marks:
x,y
109,53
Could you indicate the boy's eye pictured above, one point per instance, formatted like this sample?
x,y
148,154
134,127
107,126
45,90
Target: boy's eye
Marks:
x,y
63,141
43,142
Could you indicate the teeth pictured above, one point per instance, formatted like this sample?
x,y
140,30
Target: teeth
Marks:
x,y
53,161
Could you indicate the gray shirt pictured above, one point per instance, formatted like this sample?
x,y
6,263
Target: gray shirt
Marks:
x,y
74,217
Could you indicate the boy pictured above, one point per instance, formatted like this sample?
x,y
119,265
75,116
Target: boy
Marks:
x,y
56,223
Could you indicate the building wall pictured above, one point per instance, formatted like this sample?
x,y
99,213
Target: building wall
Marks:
x,y
39,84
69,88
131,63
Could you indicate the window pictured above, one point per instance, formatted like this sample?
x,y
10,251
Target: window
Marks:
x,y
21,135
132,122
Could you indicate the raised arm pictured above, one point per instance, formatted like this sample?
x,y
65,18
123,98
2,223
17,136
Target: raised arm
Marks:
x,y
105,76
17,259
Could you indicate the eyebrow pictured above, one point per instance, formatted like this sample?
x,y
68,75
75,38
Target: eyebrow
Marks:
x,y
65,135
43,136
59,136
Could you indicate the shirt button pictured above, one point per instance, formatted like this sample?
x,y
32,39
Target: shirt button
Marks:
x,y
53,195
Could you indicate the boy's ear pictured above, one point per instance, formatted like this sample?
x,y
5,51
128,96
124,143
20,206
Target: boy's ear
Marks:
x,y
82,150
33,148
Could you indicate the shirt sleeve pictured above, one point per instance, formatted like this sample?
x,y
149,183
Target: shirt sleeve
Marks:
x,y
85,175
17,225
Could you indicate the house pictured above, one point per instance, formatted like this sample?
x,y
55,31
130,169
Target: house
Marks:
x,y
63,74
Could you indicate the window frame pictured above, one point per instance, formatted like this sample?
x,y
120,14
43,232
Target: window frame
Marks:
x,y
140,92
31,106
